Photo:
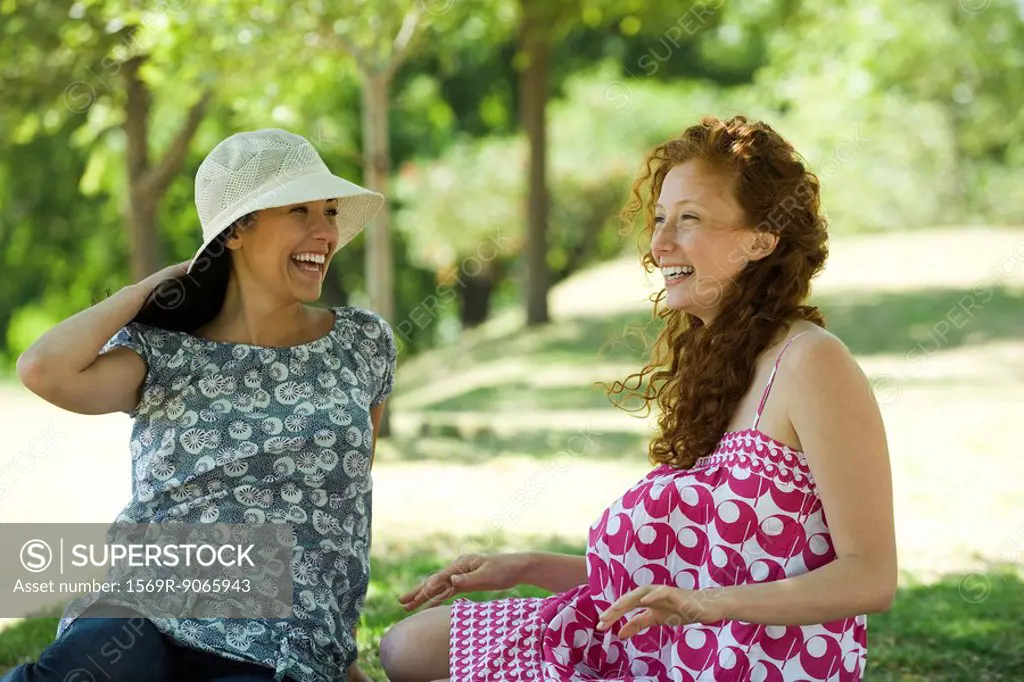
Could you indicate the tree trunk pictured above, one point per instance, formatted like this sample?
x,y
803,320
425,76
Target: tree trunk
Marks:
x,y
143,239
476,298
377,160
533,82
148,183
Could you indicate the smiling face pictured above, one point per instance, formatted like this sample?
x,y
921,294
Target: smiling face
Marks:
x,y
287,251
701,238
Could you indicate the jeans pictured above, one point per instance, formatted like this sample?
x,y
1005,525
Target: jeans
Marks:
x,y
130,650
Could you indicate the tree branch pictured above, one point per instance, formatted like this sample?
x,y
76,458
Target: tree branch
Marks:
x,y
346,45
159,176
136,121
402,42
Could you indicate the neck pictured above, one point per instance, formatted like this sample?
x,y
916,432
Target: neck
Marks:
x,y
252,316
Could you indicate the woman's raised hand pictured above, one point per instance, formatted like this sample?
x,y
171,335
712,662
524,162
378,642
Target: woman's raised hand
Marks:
x,y
170,272
468,573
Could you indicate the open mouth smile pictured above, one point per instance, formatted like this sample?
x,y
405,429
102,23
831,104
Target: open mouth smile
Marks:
x,y
674,274
310,264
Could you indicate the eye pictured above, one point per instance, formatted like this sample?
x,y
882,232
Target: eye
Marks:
x,y
300,208
658,220
332,211
688,216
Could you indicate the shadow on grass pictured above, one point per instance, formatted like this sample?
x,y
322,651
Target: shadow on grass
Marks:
x,y
962,628
927,321
869,323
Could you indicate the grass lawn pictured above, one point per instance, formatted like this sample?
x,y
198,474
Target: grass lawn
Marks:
x,y
969,629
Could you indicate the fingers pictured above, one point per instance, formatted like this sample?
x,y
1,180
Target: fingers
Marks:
x,y
638,623
673,605
621,607
434,587
410,595
440,598
413,599
439,587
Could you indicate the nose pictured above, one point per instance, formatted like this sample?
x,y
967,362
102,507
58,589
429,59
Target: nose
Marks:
x,y
661,243
325,229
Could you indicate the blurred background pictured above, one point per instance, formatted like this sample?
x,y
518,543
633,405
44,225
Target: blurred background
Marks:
x,y
505,134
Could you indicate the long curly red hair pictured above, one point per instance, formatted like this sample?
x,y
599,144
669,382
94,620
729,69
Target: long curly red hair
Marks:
x,y
697,374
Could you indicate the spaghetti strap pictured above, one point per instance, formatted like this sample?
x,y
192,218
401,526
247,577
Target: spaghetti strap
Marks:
x,y
771,380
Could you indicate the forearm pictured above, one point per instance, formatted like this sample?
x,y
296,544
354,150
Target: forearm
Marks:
x,y
554,572
72,345
846,587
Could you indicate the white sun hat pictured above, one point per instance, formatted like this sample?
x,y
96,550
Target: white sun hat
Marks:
x,y
268,168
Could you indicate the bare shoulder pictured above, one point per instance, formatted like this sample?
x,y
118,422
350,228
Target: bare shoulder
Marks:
x,y
827,388
818,354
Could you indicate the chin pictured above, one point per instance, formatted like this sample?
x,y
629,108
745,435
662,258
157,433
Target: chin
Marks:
x,y
679,300
686,304
305,292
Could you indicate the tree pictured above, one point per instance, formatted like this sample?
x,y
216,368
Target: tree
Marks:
x,y
537,20
542,24
378,53
97,45
148,180
935,89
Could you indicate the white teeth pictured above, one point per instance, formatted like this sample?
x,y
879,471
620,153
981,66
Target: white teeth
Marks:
x,y
677,270
310,257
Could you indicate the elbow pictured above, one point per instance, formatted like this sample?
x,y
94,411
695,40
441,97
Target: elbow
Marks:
x,y
882,598
882,588
37,376
30,372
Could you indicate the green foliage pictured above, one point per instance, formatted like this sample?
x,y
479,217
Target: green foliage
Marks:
x,y
910,113
937,89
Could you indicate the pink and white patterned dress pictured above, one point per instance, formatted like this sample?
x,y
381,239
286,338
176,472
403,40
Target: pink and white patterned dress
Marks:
x,y
747,513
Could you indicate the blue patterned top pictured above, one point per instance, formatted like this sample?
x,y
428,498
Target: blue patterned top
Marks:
x,y
234,433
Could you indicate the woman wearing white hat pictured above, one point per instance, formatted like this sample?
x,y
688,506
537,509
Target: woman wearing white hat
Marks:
x,y
250,405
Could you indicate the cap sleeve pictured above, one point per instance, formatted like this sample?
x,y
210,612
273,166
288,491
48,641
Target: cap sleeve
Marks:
x,y
377,346
131,336
384,364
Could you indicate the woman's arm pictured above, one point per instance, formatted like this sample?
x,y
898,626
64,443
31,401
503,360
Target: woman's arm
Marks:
x,y
834,413
64,367
554,572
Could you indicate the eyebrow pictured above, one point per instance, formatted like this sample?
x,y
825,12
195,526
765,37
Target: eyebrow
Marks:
x,y
681,201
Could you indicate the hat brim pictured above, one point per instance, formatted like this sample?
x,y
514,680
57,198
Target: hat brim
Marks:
x,y
357,206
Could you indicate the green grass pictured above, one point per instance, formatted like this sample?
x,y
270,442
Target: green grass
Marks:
x,y
946,631
940,631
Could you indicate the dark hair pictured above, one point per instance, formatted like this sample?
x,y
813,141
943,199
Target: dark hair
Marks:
x,y
187,302
699,373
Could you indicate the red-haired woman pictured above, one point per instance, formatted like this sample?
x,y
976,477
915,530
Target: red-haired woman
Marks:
x,y
763,537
